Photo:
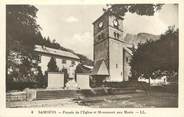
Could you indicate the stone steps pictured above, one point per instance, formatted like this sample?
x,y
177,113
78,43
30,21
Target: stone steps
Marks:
x,y
55,94
97,99
61,94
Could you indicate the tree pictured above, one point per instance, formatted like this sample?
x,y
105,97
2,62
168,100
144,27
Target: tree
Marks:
x,y
40,78
52,67
85,60
21,27
48,42
22,32
156,55
140,9
39,40
153,58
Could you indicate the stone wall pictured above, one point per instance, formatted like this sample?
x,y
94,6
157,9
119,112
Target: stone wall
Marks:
x,y
26,95
127,67
16,96
115,60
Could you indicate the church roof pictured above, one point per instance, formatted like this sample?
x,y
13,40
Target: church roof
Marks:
x,y
57,52
128,50
100,68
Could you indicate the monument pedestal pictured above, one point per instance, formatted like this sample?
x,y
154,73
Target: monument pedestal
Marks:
x,y
83,81
55,80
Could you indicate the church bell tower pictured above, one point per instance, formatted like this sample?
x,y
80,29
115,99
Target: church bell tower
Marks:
x,y
110,48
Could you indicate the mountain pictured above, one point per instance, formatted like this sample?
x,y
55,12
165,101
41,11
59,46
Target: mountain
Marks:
x,y
140,38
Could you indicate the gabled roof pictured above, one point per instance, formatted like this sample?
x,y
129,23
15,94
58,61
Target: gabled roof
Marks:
x,y
57,52
100,68
128,50
83,69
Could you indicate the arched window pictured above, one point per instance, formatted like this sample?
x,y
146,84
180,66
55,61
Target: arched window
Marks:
x,y
118,35
114,34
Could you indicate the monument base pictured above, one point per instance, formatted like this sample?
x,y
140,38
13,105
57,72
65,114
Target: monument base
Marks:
x,y
55,80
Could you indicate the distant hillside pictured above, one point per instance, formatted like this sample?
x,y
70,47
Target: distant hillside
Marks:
x,y
140,38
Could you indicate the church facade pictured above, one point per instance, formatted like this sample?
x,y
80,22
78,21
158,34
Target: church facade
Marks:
x,y
111,53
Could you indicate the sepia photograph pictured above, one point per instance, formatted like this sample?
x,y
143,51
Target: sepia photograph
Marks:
x,y
93,56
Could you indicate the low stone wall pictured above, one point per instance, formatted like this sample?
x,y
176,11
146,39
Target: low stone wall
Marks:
x,y
16,96
154,82
26,95
106,91
59,94
44,94
55,94
30,94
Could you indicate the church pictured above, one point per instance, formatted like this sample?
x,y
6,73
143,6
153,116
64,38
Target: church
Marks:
x,y
112,53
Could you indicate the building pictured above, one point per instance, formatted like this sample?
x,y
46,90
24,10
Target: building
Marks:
x,y
111,53
63,59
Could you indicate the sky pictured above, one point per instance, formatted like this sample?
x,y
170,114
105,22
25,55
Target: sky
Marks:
x,y
71,25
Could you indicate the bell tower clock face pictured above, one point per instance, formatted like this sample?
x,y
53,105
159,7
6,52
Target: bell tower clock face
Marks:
x,y
115,23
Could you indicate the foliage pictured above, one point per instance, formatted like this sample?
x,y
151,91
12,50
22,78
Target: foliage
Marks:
x,y
43,41
18,81
22,32
12,85
40,78
140,9
21,28
84,60
156,55
52,67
